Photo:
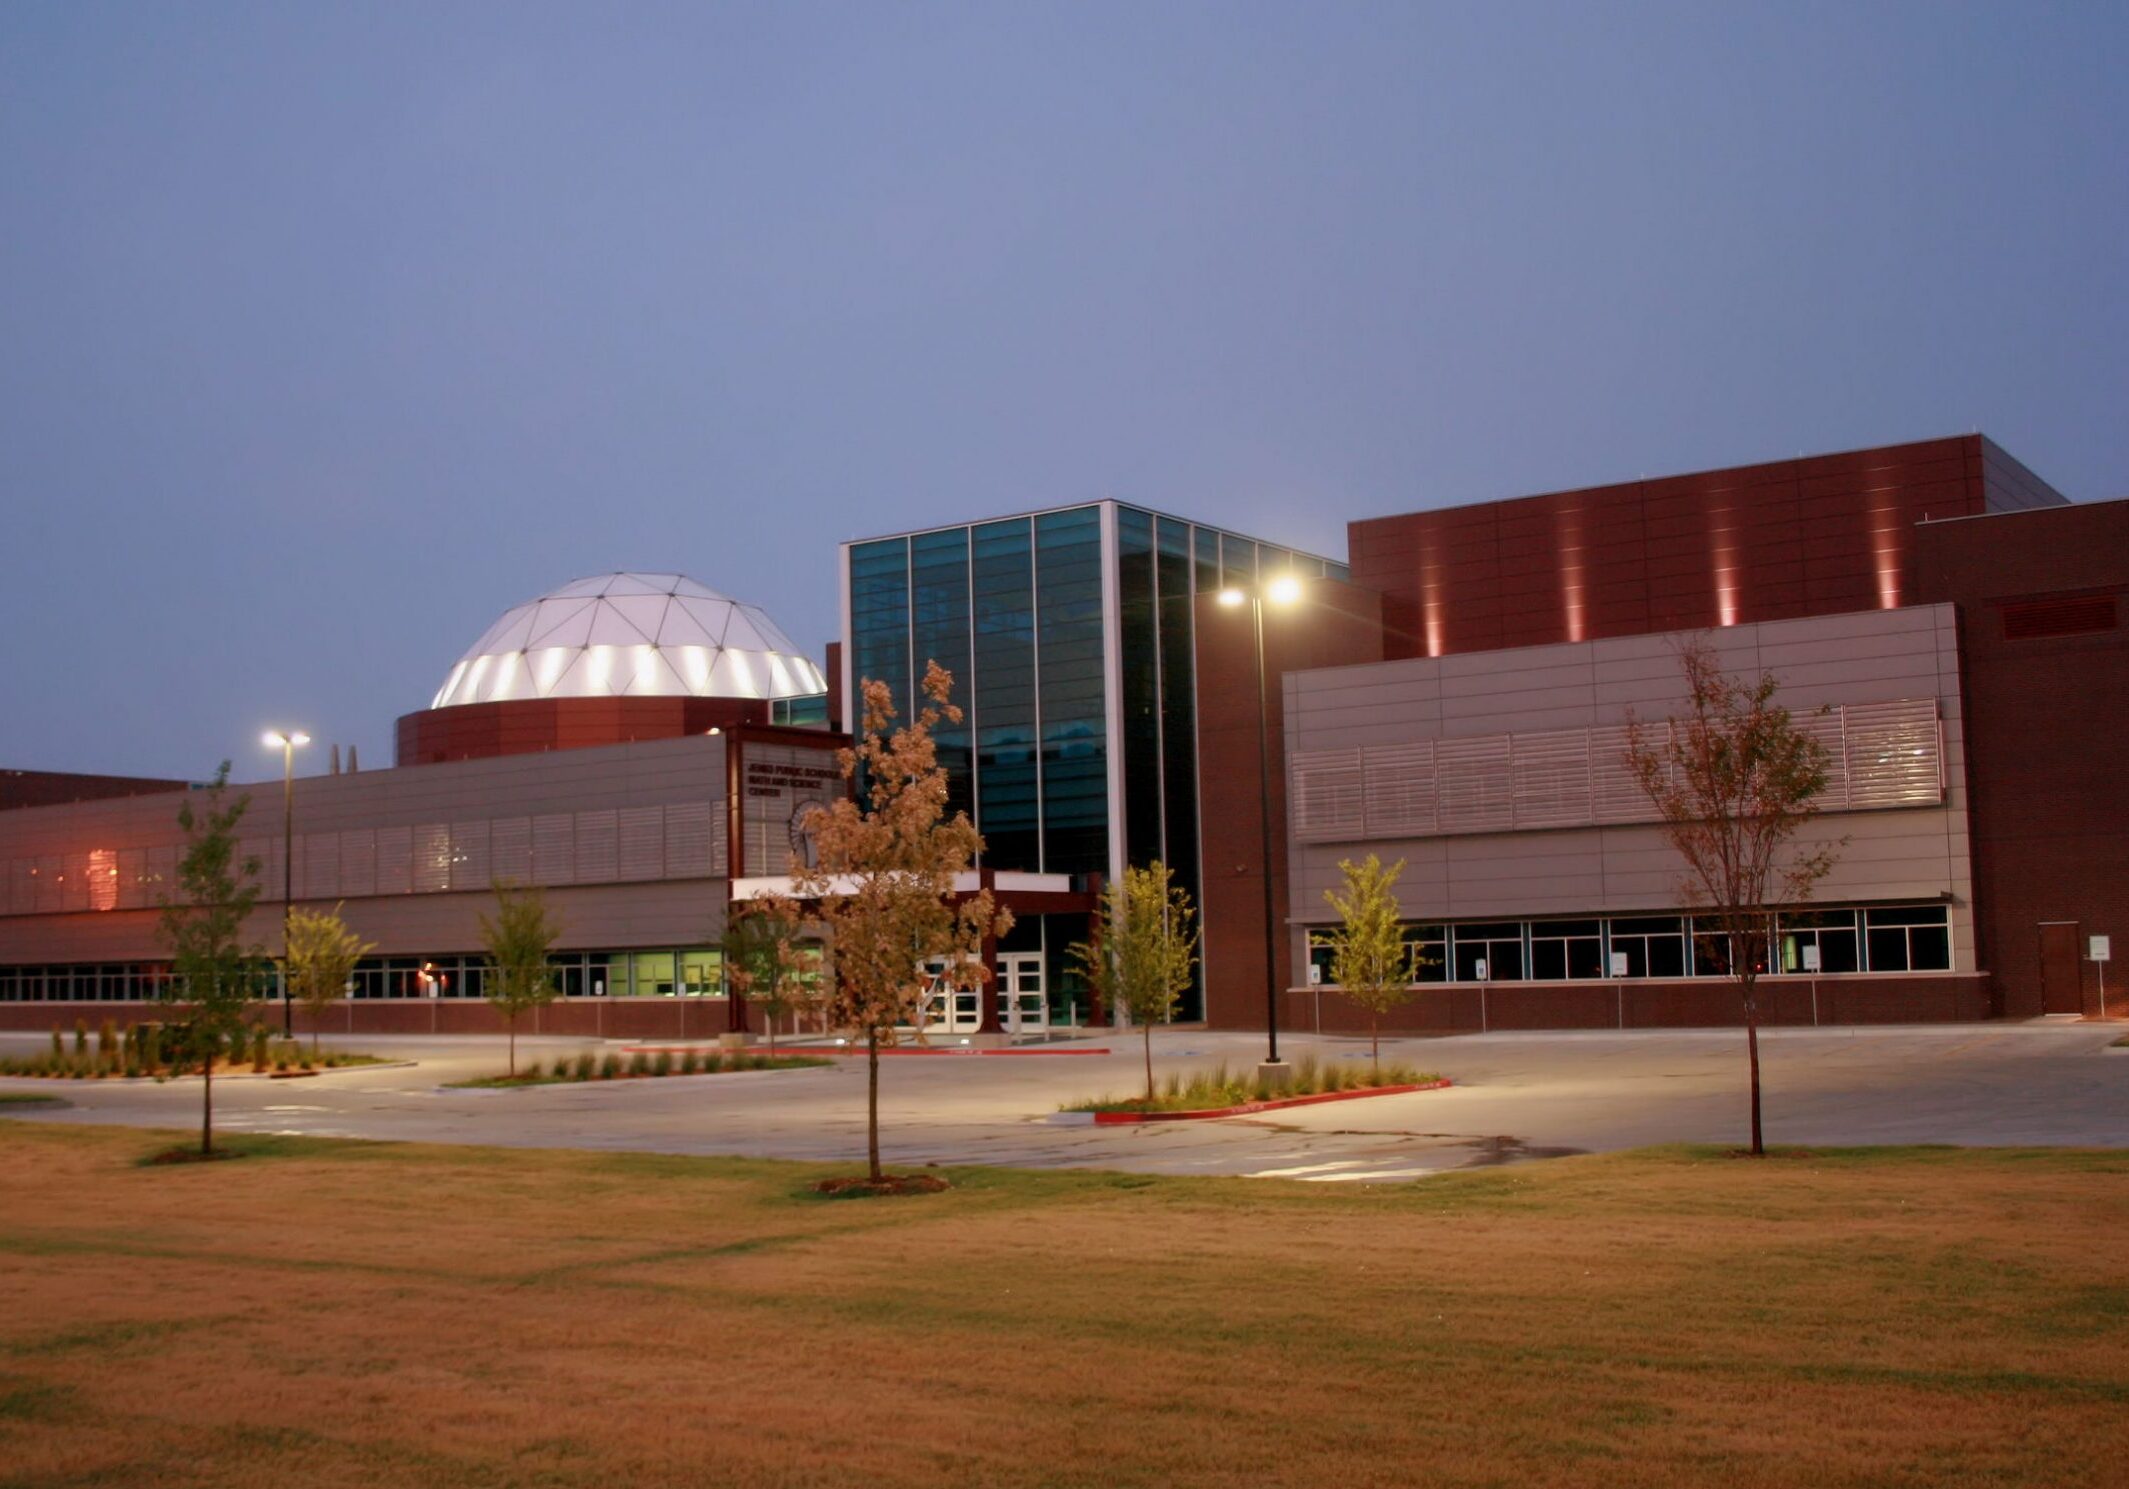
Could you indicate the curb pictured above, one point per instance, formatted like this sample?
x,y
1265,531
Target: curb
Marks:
x,y
905,1052
1117,1119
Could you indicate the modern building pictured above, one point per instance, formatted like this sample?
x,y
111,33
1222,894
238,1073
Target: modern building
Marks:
x,y
1455,697
616,742
1071,637
1462,706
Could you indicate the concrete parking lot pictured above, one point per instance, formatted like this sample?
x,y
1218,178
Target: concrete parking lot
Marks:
x,y
1516,1096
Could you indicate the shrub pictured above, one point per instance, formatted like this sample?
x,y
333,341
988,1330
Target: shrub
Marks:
x,y
132,1065
150,1042
81,1036
281,1062
259,1044
107,1038
639,1063
586,1064
663,1065
609,1067
59,1044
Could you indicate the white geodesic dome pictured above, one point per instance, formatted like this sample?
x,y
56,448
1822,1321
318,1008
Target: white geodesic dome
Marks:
x,y
631,635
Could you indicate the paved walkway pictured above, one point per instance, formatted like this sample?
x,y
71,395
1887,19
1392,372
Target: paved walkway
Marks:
x,y
1517,1096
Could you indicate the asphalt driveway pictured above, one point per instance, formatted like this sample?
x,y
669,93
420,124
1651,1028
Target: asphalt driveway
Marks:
x,y
1516,1096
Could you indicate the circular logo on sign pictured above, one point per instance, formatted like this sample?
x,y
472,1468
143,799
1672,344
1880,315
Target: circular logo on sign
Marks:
x,y
801,831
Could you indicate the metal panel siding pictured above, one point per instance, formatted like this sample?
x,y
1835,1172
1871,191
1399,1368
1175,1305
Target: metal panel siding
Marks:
x,y
395,860
554,848
1621,864
470,862
510,849
358,861
597,847
687,840
642,853
321,866
432,857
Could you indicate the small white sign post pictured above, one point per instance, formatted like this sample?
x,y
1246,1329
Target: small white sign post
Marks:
x,y
2098,951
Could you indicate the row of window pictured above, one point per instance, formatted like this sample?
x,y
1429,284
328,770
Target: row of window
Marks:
x,y
1881,938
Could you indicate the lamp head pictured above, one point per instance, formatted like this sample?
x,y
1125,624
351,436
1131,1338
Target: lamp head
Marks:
x,y
278,740
1231,597
1283,590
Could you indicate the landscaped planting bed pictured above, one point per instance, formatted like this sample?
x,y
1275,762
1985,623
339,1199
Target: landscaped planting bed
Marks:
x,y
641,1065
1221,1092
151,1050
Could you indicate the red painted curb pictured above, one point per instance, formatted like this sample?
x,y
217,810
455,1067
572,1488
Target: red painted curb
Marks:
x,y
852,1051
1114,1119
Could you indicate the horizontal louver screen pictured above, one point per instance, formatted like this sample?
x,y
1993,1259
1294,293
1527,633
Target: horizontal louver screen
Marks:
x,y
1878,755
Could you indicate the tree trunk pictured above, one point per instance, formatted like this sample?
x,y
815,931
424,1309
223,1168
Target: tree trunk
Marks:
x,y
207,1104
872,1102
512,1022
1375,1044
1149,1064
1752,1050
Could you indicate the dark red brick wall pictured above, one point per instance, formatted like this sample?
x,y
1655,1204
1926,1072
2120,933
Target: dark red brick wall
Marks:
x,y
2047,730
525,726
1816,536
1336,625
43,788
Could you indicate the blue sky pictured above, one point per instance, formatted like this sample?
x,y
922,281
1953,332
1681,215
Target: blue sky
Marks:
x,y
328,333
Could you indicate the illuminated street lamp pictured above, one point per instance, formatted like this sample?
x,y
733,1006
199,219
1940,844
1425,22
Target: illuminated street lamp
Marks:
x,y
286,741
1283,591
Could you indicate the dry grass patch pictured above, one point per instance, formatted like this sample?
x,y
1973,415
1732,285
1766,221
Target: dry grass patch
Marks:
x,y
365,1313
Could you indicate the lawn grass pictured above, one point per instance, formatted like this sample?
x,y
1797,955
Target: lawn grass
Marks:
x,y
360,1313
1217,1087
28,1098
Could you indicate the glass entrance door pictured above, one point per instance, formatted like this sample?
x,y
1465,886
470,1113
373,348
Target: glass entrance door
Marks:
x,y
1022,1004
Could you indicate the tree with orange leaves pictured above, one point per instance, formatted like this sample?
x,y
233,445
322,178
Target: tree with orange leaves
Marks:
x,y
882,883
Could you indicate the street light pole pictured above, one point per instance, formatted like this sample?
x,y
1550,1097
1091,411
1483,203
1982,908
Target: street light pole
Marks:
x,y
1282,591
287,739
1271,935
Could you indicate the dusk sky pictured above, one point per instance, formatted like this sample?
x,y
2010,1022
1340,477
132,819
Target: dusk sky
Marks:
x,y
327,333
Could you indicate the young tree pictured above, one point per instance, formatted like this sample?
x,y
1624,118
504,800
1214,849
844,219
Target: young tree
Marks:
x,y
1734,780
769,958
1143,955
1370,962
518,941
213,973
322,953
882,882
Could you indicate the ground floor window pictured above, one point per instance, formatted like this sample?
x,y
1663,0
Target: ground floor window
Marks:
x,y
1648,946
1563,950
1819,941
1907,939
1489,951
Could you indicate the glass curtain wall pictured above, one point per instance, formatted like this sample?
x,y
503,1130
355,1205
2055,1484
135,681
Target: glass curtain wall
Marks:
x,y
1014,609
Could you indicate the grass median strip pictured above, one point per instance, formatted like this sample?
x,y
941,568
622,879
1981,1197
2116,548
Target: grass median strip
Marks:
x,y
430,1315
